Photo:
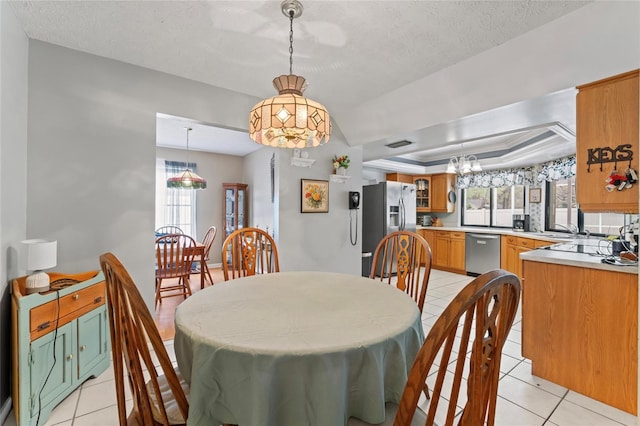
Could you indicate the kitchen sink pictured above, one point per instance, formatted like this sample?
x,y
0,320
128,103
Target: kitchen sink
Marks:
x,y
593,247
558,236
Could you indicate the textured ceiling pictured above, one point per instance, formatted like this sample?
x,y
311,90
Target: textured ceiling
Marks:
x,y
351,52
358,49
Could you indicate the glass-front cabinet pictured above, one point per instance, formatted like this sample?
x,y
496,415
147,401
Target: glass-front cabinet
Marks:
x,y
423,193
235,207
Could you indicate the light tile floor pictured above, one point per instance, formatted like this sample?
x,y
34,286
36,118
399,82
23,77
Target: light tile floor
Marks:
x,y
523,399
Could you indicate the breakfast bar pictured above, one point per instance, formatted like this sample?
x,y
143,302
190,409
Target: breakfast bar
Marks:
x,y
580,323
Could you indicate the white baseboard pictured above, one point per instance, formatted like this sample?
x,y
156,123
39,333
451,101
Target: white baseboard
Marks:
x,y
5,410
214,265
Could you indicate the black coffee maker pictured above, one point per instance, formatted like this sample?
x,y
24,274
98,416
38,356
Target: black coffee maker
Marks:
x,y
521,222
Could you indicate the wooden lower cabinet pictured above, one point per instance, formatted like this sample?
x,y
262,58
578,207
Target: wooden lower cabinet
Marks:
x,y
510,248
580,330
430,236
449,252
59,341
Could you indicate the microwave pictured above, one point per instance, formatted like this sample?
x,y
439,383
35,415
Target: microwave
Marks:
x,y
521,222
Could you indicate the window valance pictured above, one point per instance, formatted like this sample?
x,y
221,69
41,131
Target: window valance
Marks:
x,y
561,168
497,178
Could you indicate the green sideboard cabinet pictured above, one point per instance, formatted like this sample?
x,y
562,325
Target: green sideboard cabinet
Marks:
x,y
60,339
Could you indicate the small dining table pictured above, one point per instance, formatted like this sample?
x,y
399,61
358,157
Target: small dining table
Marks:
x,y
296,348
198,252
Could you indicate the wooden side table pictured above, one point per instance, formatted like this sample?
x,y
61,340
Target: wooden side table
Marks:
x,y
60,339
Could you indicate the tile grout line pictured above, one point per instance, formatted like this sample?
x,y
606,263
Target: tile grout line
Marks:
x,y
548,419
75,410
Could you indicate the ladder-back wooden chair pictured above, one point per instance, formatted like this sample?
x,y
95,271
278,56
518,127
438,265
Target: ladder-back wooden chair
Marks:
x,y
168,229
249,251
202,260
404,258
480,318
174,257
162,399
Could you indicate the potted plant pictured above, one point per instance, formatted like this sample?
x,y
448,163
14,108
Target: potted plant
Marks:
x,y
340,164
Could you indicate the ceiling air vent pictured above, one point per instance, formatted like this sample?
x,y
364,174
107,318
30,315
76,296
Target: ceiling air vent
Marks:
x,y
399,144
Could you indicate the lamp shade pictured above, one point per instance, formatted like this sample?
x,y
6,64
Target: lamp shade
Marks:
x,y
187,180
289,120
40,254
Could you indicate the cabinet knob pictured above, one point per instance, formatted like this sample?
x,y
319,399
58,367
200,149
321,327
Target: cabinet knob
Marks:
x,y
76,296
69,357
83,347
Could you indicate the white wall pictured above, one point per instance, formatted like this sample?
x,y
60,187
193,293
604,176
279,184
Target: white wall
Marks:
x,y
13,167
598,40
92,158
91,170
372,176
257,174
216,169
319,241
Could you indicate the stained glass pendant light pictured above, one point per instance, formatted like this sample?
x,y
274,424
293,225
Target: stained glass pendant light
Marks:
x,y
187,179
290,120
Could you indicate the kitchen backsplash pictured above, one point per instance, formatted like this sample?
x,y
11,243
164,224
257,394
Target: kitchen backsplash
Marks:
x,y
447,219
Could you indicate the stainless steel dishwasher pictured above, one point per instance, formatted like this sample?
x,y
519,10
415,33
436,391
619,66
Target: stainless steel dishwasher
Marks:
x,y
482,253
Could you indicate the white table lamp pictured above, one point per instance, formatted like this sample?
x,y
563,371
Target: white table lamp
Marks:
x,y
39,254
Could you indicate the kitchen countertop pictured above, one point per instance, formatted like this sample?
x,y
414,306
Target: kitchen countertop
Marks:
x,y
582,260
544,236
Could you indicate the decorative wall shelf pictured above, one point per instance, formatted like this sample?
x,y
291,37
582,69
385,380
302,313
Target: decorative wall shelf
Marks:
x,y
339,178
302,162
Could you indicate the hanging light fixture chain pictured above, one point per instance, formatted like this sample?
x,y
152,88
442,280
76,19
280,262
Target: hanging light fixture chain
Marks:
x,y
289,120
188,129
291,42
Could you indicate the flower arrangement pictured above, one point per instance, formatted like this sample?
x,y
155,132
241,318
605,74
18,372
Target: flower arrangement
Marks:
x,y
342,161
314,195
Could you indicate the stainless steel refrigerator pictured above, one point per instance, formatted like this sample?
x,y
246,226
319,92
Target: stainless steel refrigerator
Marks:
x,y
386,207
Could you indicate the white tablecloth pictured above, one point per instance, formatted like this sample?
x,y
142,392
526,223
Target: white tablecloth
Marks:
x,y
296,348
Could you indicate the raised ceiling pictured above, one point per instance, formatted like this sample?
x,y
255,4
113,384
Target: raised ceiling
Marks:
x,y
378,66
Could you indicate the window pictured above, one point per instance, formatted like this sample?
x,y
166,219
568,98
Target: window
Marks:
x,y
563,212
492,206
509,201
174,206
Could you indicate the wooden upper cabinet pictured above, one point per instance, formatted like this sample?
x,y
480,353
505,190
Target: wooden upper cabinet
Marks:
x,y
441,184
607,129
432,191
399,177
423,192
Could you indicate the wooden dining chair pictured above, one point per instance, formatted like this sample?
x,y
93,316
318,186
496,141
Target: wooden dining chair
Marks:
x,y
249,251
480,318
162,399
174,257
203,260
168,229
403,258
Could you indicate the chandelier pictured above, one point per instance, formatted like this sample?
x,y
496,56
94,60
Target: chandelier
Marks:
x,y
187,179
290,120
464,164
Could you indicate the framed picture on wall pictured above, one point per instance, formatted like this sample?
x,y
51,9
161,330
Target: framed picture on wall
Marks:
x,y
314,197
535,195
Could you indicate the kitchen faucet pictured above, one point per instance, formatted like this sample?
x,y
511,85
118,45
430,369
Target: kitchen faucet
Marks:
x,y
571,228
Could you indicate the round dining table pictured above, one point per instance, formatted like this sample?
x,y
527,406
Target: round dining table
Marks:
x,y
296,348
